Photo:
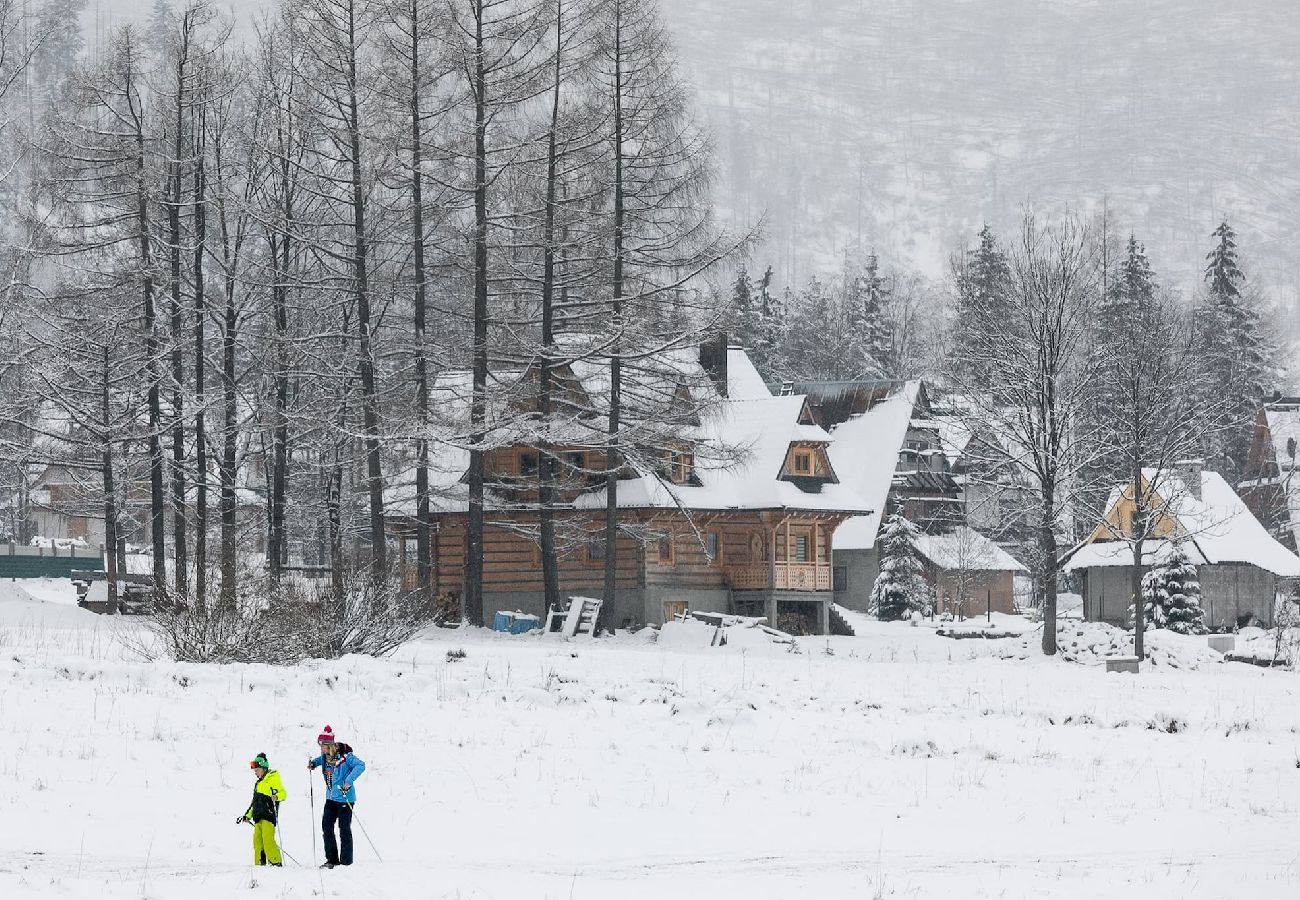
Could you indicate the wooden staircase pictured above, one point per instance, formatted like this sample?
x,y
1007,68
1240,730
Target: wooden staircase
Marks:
x,y
839,624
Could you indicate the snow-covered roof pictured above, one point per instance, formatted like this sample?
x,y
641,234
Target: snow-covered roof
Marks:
x,y
741,450
760,432
743,380
864,451
965,548
1216,527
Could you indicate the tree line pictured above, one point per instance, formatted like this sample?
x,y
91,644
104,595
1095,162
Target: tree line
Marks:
x,y
1062,348
244,267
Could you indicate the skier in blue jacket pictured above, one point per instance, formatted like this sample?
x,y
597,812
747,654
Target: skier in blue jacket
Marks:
x,y
341,768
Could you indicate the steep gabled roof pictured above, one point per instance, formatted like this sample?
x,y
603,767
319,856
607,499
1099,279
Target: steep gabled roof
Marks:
x,y
864,451
1216,527
760,433
741,447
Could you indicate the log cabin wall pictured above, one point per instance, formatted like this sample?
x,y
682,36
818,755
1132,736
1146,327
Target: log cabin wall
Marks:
x,y
681,565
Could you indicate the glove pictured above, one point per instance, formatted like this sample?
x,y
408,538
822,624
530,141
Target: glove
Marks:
x,y
241,820
310,765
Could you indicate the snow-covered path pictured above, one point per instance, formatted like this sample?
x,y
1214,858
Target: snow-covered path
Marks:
x,y
899,764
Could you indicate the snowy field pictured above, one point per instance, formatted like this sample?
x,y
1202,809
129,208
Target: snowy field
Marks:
x,y
894,764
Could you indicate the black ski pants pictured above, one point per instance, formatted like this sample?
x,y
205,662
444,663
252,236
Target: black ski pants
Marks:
x,y
342,814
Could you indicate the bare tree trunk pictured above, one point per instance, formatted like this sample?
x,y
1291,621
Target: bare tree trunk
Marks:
x,y
229,435
1047,569
179,518
200,374
110,500
473,600
1135,575
612,451
361,278
157,516
546,462
179,541
423,520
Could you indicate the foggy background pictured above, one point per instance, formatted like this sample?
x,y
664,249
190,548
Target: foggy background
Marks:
x,y
903,125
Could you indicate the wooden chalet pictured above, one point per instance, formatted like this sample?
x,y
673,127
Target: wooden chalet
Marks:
x,y
735,512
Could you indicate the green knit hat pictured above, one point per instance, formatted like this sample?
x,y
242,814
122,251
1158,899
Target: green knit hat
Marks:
x,y
259,762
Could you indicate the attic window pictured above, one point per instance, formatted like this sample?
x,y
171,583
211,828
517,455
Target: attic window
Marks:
x,y
682,467
802,462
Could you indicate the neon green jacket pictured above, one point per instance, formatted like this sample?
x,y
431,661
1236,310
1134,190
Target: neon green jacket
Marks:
x,y
268,794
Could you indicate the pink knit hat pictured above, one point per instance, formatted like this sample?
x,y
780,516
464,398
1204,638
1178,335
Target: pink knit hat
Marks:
x,y
326,736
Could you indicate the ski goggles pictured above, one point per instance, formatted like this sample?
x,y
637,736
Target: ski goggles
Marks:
x,y
258,764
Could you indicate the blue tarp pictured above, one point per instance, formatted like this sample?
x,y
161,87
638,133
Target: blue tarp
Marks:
x,y
514,622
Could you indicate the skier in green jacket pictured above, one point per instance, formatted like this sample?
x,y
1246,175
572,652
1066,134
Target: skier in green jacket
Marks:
x,y
263,812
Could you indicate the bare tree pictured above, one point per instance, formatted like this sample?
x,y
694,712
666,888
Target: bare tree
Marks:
x,y
1152,386
1036,370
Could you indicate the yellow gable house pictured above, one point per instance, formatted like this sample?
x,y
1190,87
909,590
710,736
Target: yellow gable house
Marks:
x,y
1239,564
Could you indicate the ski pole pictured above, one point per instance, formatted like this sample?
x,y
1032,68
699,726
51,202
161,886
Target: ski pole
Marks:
x,y
363,831
279,838
311,787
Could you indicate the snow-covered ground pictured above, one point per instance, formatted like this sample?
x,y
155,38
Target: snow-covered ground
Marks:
x,y
893,764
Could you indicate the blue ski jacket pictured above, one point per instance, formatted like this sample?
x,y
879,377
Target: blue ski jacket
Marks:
x,y
340,774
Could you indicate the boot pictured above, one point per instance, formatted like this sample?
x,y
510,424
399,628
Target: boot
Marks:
x,y
328,865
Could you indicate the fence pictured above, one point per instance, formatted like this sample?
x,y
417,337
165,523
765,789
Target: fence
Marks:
x,y
18,561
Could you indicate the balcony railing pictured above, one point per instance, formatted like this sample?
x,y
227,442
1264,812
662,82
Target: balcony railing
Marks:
x,y
789,577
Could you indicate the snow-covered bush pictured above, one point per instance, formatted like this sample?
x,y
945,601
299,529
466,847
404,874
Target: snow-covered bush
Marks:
x,y
1171,593
900,589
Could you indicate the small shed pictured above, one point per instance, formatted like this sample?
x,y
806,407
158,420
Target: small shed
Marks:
x,y
971,574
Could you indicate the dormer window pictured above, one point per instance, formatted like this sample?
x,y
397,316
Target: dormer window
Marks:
x,y
802,462
681,467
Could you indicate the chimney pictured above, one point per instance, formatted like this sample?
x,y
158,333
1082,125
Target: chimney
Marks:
x,y
1189,472
713,359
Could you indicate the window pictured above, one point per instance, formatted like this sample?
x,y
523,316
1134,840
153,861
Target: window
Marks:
x,y
839,579
596,547
681,467
666,556
576,461
803,463
528,464
712,546
801,548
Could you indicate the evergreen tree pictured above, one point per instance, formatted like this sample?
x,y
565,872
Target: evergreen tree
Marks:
x,y
1235,353
1127,304
767,331
1171,593
983,282
900,589
865,299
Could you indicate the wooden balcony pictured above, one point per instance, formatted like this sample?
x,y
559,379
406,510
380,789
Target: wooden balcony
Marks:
x,y
789,577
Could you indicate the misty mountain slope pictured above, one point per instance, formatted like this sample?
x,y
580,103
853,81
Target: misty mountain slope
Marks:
x,y
903,125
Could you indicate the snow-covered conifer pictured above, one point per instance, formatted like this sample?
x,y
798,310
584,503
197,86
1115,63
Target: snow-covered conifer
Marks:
x,y
1171,593
900,589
